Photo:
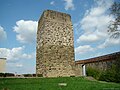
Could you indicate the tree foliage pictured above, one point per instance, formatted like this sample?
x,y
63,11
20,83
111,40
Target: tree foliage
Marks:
x,y
114,27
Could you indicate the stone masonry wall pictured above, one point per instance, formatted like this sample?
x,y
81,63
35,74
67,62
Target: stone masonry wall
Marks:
x,y
101,63
55,49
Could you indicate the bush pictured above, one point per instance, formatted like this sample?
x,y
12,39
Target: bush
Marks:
x,y
93,72
117,77
27,75
9,75
34,75
1,74
39,75
108,75
111,74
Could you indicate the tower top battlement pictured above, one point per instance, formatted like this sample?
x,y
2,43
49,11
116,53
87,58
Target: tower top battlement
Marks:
x,y
55,15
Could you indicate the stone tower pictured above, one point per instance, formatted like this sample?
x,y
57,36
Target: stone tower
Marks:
x,y
55,48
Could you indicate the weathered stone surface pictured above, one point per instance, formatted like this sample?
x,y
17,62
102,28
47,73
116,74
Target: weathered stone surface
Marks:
x,y
55,49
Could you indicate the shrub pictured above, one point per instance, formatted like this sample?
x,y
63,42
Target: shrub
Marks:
x,y
27,75
93,72
1,74
39,75
34,75
107,76
111,74
9,75
117,77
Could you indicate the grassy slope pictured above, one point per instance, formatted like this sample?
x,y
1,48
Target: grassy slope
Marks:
x,y
73,83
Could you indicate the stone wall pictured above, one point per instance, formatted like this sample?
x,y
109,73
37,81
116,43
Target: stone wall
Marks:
x,y
101,63
55,49
78,70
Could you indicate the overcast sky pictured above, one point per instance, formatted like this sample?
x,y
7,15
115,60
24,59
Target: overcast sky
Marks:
x,y
18,27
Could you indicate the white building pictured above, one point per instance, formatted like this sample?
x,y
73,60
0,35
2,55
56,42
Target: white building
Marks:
x,y
2,65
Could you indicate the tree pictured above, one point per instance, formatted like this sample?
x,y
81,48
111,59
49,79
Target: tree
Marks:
x,y
114,27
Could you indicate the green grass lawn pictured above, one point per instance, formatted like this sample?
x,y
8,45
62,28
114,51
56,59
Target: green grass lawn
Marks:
x,y
73,83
